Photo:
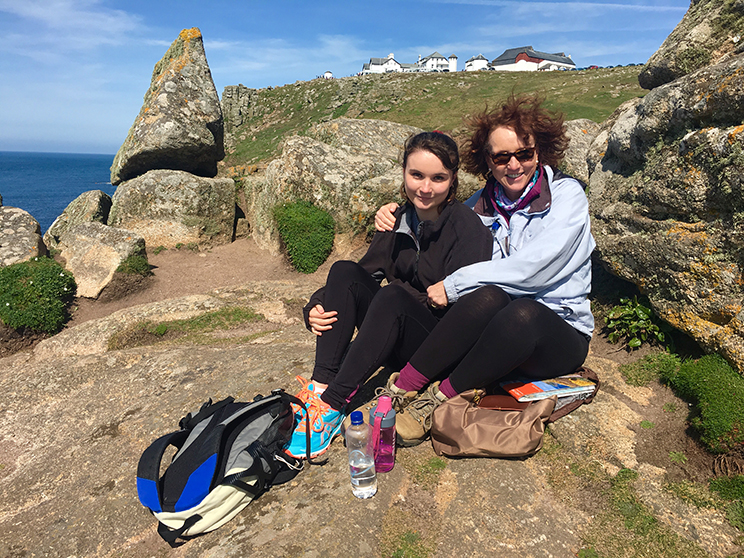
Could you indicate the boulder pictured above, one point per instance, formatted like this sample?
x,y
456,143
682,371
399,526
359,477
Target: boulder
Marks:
x,y
180,124
20,236
347,167
709,33
169,207
581,133
92,252
667,201
93,205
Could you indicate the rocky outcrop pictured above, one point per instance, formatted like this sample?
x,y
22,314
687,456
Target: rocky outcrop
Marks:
x,y
74,425
87,207
92,252
175,207
20,236
709,33
347,167
667,200
581,133
180,124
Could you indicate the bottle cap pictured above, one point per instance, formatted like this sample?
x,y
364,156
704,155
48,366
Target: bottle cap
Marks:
x,y
357,417
387,418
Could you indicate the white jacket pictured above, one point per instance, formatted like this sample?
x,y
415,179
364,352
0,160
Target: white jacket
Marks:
x,y
543,253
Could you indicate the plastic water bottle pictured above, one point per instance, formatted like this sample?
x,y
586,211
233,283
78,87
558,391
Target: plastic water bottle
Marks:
x,y
361,458
382,421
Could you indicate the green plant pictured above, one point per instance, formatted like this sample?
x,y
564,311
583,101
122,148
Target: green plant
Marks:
x,y
649,368
647,424
159,249
669,407
635,322
35,294
717,392
307,233
677,457
728,488
135,265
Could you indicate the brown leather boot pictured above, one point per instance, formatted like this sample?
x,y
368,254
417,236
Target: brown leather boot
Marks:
x,y
414,423
400,399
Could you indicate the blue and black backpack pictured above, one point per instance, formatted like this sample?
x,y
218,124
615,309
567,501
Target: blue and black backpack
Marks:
x,y
227,454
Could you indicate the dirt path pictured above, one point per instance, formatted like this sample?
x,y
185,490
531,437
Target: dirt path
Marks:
x,y
184,272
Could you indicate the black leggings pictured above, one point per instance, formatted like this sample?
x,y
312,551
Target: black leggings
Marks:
x,y
488,335
392,324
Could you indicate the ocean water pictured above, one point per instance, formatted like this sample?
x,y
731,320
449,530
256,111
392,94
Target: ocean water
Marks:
x,y
45,183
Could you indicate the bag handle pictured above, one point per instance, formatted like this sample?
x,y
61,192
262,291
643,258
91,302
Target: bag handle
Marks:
x,y
148,468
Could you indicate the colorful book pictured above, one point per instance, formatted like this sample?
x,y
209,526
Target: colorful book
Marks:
x,y
564,386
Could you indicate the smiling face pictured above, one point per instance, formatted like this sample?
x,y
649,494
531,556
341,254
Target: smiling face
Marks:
x,y
427,183
515,175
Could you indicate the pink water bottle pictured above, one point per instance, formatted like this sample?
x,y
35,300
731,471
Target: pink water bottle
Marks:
x,y
382,420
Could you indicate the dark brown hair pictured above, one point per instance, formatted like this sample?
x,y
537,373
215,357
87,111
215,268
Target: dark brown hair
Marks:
x,y
527,117
445,149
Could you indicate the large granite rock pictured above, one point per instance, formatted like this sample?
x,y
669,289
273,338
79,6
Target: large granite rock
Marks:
x,y
92,252
709,33
667,200
170,207
347,167
581,133
180,124
20,236
93,205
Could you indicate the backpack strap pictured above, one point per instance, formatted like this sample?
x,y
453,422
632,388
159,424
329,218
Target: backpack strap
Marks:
x,y
207,409
301,403
148,469
171,535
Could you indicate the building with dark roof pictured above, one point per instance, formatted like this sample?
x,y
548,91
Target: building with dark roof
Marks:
x,y
527,59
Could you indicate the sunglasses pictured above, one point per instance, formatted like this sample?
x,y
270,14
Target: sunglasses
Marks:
x,y
523,155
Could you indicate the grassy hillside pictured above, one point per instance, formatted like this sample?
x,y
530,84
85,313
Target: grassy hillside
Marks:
x,y
429,101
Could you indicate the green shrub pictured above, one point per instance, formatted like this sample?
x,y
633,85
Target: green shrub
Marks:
x,y
307,233
135,265
35,295
649,368
635,322
718,394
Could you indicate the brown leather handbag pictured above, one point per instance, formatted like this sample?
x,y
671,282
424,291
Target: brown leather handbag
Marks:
x,y
502,427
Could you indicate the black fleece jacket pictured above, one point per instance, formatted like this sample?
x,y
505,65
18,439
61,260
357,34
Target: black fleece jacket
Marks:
x,y
456,239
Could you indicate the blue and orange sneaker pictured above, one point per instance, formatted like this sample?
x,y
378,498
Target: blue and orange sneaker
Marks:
x,y
325,423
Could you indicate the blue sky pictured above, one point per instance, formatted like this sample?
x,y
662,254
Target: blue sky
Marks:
x,y
74,72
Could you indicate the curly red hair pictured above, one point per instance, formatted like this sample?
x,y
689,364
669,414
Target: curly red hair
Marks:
x,y
529,119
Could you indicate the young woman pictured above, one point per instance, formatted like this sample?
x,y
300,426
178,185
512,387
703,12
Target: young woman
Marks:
x,y
432,236
524,313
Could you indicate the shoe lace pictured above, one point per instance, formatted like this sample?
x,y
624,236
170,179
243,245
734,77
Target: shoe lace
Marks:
x,y
315,406
304,395
398,399
422,408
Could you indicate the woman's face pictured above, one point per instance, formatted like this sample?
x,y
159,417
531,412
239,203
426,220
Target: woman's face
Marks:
x,y
513,175
427,183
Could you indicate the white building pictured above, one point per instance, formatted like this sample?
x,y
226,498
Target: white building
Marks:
x,y
526,59
381,65
435,62
476,63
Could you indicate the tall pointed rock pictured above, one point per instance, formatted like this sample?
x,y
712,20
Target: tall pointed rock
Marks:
x,y
180,125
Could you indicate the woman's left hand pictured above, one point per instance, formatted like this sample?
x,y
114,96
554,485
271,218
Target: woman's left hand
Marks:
x,y
437,296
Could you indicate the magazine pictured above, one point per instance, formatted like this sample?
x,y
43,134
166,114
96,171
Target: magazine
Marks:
x,y
564,386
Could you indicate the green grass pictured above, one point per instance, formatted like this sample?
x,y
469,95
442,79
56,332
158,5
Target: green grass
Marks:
x,y
192,330
649,368
35,294
429,101
717,392
135,265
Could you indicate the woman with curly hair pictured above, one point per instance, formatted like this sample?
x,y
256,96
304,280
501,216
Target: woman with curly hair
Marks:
x,y
525,313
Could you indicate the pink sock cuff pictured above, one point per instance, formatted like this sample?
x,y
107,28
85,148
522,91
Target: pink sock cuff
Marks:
x,y
411,379
446,388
